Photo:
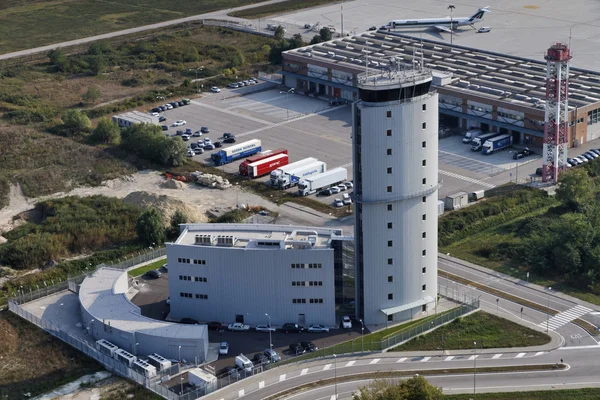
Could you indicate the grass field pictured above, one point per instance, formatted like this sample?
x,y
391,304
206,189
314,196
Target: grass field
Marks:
x,y
26,24
33,361
573,394
487,330
142,270
278,8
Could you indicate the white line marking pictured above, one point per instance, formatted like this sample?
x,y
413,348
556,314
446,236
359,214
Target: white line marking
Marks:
x,y
375,361
539,353
261,384
449,358
425,359
564,317
325,368
282,377
520,355
496,356
465,178
332,397
473,357
592,346
304,371
350,363
241,393
401,360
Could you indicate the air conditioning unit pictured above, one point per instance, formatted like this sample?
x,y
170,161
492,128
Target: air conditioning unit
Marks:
x,y
226,240
204,240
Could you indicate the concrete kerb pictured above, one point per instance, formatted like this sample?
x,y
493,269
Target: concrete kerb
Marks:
x,y
517,281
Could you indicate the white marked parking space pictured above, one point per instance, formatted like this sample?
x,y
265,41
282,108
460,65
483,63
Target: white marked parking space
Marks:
x,y
401,360
520,355
235,114
425,359
241,393
304,371
496,356
473,357
350,363
449,358
564,317
282,377
325,368
466,178
375,361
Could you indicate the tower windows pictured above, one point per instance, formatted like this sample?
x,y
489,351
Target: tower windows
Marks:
x,y
389,170
390,243
389,151
389,114
390,261
390,296
424,181
424,252
389,189
424,163
424,199
389,225
389,132
390,278
424,144
424,287
424,125
390,317
424,235
389,207
424,107
424,217
424,269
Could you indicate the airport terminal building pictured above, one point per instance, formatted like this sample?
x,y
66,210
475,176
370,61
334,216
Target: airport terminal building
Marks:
x,y
494,92
240,272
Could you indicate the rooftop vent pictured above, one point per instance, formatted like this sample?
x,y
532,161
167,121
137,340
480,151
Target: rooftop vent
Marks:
x,y
204,240
226,240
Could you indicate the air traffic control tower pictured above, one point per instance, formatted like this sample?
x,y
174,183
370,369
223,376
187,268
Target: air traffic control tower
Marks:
x,y
395,157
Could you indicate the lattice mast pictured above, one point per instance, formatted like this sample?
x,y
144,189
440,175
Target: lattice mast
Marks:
x,y
557,108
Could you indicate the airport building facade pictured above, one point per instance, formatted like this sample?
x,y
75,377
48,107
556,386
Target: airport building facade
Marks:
x,y
480,89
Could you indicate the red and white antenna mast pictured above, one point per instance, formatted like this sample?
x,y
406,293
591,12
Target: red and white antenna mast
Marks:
x,y
557,108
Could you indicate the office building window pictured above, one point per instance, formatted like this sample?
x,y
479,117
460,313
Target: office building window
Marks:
x,y
424,252
424,217
389,152
424,270
202,296
390,243
390,261
389,225
424,181
390,317
424,287
424,163
424,125
424,107
316,301
390,278
389,189
389,114
424,235
389,170
199,279
390,296
389,207
299,301
389,132
424,144
424,199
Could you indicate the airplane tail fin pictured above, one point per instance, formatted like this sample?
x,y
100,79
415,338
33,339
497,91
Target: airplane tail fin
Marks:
x,y
478,16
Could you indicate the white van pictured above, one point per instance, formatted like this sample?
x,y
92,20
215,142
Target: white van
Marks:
x,y
242,362
484,29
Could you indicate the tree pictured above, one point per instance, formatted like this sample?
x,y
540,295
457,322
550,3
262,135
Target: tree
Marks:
x,y
97,65
325,34
59,59
178,217
92,95
415,388
106,132
100,47
296,41
187,82
76,123
316,39
575,189
279,32
149,228
238,58
172,151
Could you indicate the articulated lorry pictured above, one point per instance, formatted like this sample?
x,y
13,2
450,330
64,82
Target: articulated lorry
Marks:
x,y
237,151
280,171
265,166
260,156
321,181
497,143
477,143
472,134
293,177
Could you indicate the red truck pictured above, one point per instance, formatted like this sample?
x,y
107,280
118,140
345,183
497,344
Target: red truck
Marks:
x,y
264,167
266,154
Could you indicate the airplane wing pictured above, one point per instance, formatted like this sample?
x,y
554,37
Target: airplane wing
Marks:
x,y
443,28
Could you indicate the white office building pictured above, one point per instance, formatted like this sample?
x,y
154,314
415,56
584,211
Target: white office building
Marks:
x,y
395,153
240,272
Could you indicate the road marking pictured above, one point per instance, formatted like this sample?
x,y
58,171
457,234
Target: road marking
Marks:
x,y
241,393
564,317
473,357
539,353
496,356
520,355
350,363
592,346
465,178
261,384
449,358
332,397
304,371
401,360
325,368
425,359
235,114
282,377
375,361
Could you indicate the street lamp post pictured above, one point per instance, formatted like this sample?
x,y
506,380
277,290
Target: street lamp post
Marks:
x,y
287,102
335,375
270,341
179,354
342,17
474,367
362,334
198,69
548,311
451,7
182,385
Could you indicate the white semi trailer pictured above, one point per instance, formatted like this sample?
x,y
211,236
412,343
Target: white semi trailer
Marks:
x,y
321,181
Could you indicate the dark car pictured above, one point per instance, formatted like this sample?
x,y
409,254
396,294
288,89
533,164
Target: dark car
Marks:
x,y
161,118
296,348
180,132
215,326
538,172
193,146
522,153
164,127
204,129
162,108
230,139
272,355
153,274
181,103
188,321
289,327
217,144
155,109
325,192
174,104
309,346
227,135
233,372
260,359
373,28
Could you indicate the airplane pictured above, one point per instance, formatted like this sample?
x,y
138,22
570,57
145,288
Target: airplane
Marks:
x,y
443,24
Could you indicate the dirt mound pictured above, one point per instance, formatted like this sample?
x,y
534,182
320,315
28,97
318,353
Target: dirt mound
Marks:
x,y
166,204
172,184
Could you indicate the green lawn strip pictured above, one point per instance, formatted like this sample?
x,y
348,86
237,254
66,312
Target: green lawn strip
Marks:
x,y
142,270
487,330
560,394
400,374
278,8
583,324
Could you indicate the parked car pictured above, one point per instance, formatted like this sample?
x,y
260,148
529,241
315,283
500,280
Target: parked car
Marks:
x,y
334,190
272,355
218,144
162,108
233,372
153,274
484,29
190,153
597,151
338,203
215,89
373,28
185,137
193,146
164,127
233,85
318,328
204,129
209,146
326,192
538,171
179,132
591,153
214,326
289,327
229,140
349,185
168,106
155,110
155,114
238,327
341,187
264,328
188,321
162,118
180,122
309,346
346,322
251,82
165,266
307,26
260,359
197,134
522,153
224,348
199,150
346,199
296,348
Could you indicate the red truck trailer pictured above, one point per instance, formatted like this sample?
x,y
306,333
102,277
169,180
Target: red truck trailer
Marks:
x,y
265,154
264,167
